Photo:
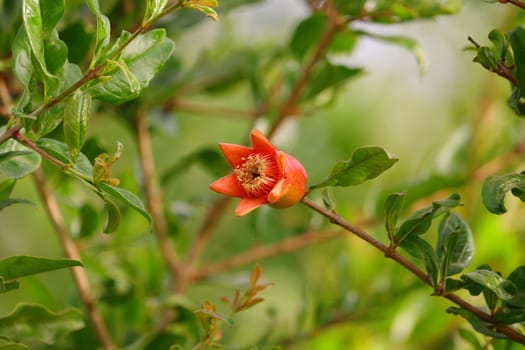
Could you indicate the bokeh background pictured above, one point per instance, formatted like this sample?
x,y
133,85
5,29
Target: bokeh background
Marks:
x,y
445,124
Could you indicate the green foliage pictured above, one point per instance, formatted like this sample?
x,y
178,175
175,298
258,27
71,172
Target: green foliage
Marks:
x,y
366,163
77,77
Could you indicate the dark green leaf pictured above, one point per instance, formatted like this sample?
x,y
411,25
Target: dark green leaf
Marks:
x,y
307,33
19,266
416,224
478,324
17,161
517,42
22,66
127,198
518,278
492,281
76,114
113,216
325,76
421,249
7,286
495,188
139,63
165,340
393,206
516,102
366,163
509,315
455,246
34,321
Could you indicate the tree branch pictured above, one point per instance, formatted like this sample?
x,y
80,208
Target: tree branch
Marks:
x,y
263,252
154,201
70,250
392,254
514,2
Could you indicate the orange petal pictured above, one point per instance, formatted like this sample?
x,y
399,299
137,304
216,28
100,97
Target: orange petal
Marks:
x,y
228,186
234,154
248,204
260,143
291,189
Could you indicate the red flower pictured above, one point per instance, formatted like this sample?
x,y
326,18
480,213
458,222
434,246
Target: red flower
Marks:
x,y
261,175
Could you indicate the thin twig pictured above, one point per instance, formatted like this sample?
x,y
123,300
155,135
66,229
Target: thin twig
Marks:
x,y
201,109
289,108
153,196
392,254
263,252
70,250
514,2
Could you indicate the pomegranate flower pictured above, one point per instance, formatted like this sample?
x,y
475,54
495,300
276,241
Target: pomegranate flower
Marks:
x,y
261,175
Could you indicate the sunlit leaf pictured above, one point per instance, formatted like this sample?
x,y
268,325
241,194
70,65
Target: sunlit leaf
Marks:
x,y
495,188
20,266
103,30
455,246
133,71
366,163
491,280
76,114
126,197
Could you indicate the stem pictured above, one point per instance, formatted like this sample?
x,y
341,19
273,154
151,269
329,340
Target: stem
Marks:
x,y
290,106
153,196
514,2
70,250
392,254
263,252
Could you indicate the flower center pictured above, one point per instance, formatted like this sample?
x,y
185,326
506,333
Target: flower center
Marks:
x,y
257,175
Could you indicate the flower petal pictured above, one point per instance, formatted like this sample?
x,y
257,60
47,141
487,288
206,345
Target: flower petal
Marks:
x,y
234,154
228,186
260,143
248,204
292,187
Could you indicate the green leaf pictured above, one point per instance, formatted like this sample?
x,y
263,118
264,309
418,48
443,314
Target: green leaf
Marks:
x,y
22,67
153,9
325,76
495,188
34,321
103,30
7,286
455,246
4,203
422,250
477,324
518,278
307,33
492,281
139,63
113,216
204,6
127,198
416,224
17,161
517,42
60,151
20,266
405,42
76,116
366,163
393,206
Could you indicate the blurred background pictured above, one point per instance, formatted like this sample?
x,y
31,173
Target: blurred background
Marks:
x,y
444,116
